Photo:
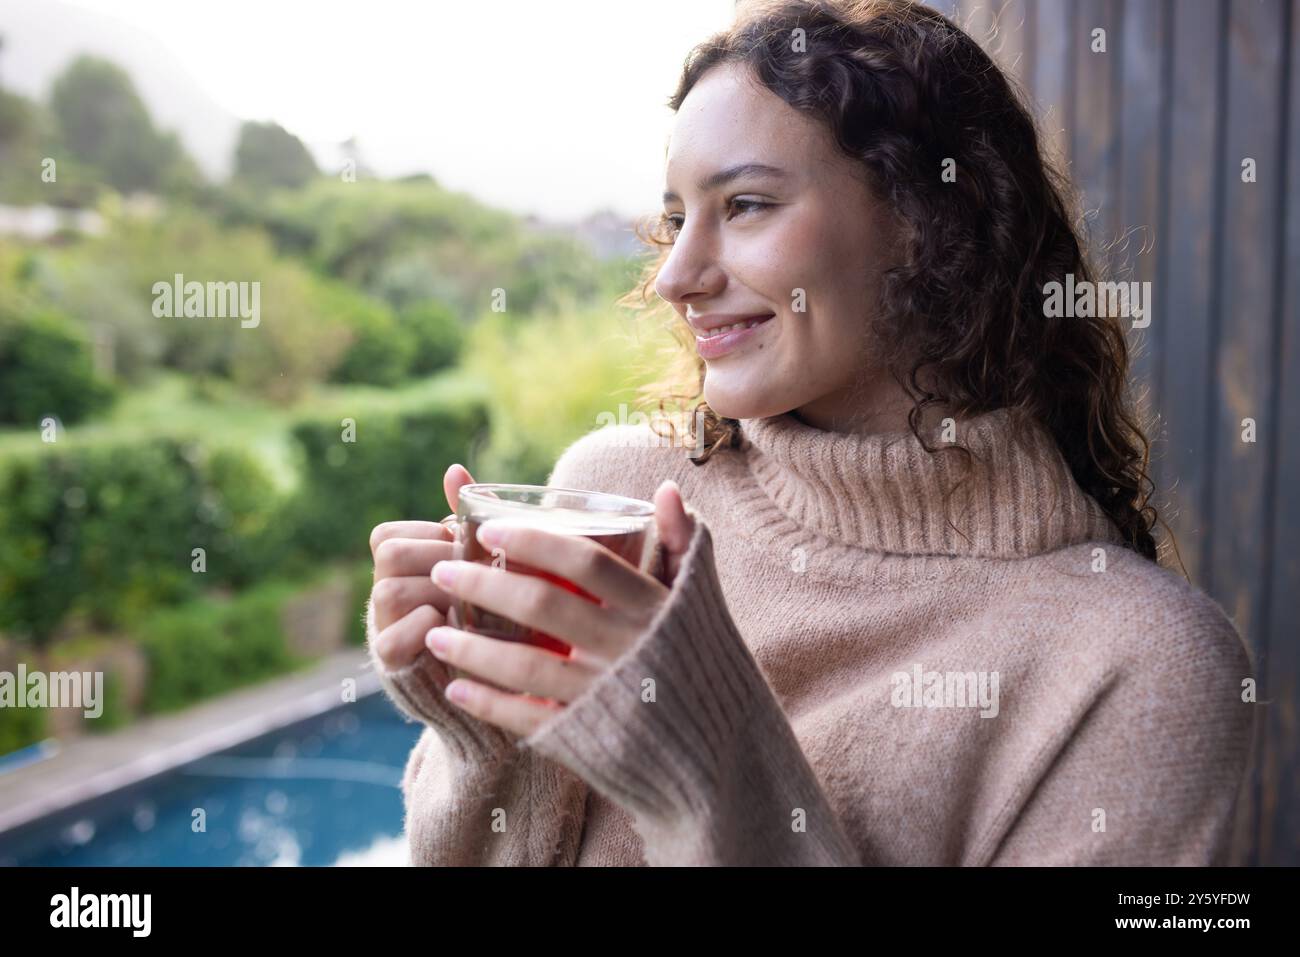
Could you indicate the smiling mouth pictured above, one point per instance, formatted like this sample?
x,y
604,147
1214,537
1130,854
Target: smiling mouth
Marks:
x,y
734,327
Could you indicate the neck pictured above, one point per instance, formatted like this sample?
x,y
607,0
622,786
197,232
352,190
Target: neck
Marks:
x,y
875,402
884,492
872,421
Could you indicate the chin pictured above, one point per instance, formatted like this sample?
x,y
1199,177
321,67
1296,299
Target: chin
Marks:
x,y
739,404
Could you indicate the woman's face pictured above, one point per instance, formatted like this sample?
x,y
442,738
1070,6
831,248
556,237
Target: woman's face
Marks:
x,y
805,244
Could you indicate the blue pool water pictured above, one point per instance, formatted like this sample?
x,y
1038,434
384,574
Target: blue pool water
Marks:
x,y
321,792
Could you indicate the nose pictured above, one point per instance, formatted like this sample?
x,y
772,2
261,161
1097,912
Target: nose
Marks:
x,y
692,271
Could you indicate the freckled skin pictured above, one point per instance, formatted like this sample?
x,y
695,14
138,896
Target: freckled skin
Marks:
x,y
825,234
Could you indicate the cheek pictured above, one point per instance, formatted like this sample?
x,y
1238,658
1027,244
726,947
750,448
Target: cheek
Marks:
x,y
798,254
832,261
856,259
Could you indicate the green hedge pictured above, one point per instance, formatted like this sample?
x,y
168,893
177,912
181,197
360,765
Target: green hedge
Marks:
x,y
115,713
109,531
210,646
392,470
20,727
437,335
381,351
45,369
200,649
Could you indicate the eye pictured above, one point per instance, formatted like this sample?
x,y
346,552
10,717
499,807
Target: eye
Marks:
x,y
672,222
750,205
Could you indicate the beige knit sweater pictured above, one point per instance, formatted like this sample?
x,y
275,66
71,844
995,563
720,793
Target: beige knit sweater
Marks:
x,y
841,677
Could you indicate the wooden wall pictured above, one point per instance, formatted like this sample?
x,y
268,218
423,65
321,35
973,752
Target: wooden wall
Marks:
x,y
1154,132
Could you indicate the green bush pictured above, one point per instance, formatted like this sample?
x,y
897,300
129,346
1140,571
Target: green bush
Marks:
x,y
210,646
392,470
102,121
20,727
112,530
106,305
381,349
353,230
250,540
553,377
405,241
114,714
46,368
436,334
269,156
297,339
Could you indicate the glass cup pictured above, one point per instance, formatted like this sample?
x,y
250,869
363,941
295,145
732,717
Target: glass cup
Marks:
x,y
625,526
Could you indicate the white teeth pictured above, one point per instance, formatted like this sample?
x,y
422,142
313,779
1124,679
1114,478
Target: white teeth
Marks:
x,y
735,325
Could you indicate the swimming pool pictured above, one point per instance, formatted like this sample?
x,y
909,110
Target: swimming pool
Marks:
x,y
323,791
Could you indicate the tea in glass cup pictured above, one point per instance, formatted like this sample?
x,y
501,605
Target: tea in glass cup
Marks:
x,y
625,526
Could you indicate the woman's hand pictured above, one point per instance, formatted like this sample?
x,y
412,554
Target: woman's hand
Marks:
x,y
405,601
598,634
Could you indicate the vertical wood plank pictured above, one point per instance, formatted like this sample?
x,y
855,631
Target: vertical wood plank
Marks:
x,y
1196,86
1094,130
1143,187
1199,46
1054,77
1243,350
1247,305
1279,842
1014,44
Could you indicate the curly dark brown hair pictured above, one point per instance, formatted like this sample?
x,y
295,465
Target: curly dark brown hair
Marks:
x,y
903,89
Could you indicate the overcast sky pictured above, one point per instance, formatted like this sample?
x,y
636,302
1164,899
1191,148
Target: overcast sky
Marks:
x,y
552,107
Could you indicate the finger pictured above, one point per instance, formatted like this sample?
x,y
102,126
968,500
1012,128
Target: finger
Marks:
x,y
674,525
512,665
399,644
535,602
396,557
394,598
387,530
578,560
456,476
521,714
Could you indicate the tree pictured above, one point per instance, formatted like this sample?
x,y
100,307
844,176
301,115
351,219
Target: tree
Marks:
x,y
269,156
103,123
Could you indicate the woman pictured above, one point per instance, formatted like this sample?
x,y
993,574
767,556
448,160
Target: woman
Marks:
x,y
914,613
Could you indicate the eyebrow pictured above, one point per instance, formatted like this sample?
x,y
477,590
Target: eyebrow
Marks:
x,y
724,176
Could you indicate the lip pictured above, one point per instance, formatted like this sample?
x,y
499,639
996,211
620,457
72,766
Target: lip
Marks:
x,y
715,319
714,347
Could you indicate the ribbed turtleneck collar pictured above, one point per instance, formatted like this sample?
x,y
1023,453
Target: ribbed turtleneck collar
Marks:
x,y
883,492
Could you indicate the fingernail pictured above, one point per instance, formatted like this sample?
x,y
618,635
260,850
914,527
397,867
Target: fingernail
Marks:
x,y
458,692
490,534
444,573
439,642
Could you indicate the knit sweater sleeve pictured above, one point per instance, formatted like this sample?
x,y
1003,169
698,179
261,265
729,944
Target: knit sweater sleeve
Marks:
x,y
685,733
471,797
1147,768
